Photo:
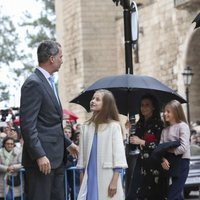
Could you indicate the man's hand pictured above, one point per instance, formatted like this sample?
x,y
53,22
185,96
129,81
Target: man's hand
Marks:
x,y
73,150
44,165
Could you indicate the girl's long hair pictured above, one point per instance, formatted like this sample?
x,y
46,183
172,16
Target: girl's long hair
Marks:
x,y
109,111
177,111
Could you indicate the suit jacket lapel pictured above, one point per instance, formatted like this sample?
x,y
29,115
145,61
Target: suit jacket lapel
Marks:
x,y
49,90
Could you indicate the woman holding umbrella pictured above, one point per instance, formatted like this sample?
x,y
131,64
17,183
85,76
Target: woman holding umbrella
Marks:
x,y
101,153
145,181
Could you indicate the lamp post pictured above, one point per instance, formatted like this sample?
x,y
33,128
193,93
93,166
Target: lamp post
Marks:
x,y
130,30
187,78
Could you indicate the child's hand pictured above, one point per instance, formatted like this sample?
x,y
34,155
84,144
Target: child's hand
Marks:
x,y
112,189
165,164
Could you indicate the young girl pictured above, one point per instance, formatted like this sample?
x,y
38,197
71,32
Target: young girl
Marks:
x,y
176,129
102,153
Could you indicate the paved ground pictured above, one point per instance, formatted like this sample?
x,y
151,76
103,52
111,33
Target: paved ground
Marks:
x,y
193,196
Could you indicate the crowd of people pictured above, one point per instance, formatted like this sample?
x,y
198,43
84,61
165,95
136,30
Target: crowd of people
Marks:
x,y
48,144
10,154
11,144
195,139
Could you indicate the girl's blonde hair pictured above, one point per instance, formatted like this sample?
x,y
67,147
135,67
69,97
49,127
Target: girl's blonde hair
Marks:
x,y
177,111
109,111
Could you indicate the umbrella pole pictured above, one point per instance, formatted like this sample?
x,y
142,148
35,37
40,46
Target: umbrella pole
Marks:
x,y
131,154
127,37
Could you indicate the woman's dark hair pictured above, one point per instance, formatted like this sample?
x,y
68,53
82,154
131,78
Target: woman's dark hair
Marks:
x,y
6,139
154,101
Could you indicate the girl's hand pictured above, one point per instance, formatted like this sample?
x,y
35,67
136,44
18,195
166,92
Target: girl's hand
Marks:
x,y
112,188
165,164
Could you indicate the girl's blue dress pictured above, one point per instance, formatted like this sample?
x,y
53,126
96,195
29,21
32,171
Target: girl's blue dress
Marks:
x,y
92,189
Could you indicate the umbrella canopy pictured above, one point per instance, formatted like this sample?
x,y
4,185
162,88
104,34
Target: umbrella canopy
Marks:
x,y
69,115
128,90
197,20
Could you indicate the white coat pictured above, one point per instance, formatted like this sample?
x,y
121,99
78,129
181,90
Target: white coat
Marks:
x,y
16,162
110,154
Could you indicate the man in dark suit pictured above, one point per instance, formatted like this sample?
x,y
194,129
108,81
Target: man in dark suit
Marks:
x,y
45,145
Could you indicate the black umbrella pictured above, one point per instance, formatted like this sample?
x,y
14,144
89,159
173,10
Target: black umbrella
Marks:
x,y
128,90
197,20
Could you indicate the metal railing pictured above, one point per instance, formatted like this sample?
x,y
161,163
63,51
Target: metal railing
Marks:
x,y
21,175
73,169
66,185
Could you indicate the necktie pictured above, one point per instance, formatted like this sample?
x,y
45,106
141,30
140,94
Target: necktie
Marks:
x,y
51,79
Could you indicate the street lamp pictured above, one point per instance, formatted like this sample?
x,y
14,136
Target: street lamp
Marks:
x,y
187,78
131,30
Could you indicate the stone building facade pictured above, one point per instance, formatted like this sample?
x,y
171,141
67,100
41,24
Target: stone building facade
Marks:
x,y
92,36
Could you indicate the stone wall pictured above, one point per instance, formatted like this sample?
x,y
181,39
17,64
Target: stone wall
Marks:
x,y
86,30
92,36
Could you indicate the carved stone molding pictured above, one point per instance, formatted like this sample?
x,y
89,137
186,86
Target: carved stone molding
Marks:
x,y
185,4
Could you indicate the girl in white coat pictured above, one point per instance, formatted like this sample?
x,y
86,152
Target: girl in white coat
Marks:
x,y
102,154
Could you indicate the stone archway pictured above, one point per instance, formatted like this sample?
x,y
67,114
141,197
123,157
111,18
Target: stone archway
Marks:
x,y
193,60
